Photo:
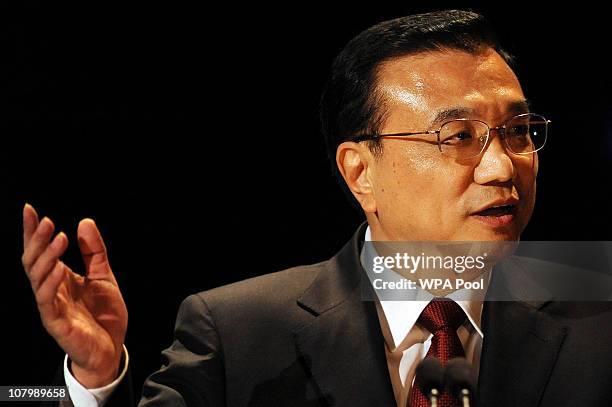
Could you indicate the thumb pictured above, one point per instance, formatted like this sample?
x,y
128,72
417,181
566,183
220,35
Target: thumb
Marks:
x,y
93,251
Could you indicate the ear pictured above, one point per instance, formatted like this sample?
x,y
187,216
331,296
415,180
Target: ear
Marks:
x,y
353,160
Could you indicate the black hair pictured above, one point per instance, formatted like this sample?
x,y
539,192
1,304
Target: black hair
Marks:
x,y
350,103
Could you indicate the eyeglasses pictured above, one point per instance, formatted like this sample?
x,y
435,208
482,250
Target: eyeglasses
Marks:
x,y
466,138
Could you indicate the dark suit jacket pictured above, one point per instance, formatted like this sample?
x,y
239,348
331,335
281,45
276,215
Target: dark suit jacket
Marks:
x,y
304,337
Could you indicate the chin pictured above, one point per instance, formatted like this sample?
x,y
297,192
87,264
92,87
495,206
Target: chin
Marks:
x,y
487,233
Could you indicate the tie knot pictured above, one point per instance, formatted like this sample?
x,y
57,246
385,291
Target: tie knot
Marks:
x,y
441,313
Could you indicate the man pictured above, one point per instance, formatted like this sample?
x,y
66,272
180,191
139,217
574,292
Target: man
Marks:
x,y
431,134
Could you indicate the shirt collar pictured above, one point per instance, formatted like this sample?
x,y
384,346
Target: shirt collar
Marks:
x,y
402,315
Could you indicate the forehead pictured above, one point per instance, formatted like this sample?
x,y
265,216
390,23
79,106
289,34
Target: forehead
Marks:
x,y
429,82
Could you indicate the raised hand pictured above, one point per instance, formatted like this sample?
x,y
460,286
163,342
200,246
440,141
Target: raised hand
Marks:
x,y
85,315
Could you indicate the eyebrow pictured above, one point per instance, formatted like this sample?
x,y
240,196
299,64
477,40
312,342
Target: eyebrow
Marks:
x,y
514,108
519,106
451,114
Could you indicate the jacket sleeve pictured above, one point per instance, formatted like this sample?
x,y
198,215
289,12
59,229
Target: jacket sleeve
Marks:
x,y
192,372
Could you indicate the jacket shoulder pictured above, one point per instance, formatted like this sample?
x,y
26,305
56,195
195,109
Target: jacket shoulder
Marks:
x,y
271,294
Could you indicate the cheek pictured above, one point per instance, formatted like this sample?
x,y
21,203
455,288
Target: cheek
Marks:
x,y
422,164
527,170
405,171
422,180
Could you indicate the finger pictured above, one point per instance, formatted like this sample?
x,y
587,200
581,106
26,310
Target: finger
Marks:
x,y
38,243
93,251
45,263
47,291
30,223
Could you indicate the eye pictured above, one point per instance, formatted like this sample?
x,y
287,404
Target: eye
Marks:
x,y
458,138
518,130
464,136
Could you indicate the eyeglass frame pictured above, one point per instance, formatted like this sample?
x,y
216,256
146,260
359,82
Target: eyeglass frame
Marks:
x,y
502,129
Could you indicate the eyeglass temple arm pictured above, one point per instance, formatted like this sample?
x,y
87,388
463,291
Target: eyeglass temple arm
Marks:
x,y
365,137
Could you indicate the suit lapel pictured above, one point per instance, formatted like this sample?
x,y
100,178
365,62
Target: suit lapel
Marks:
x,y
343,346
520,348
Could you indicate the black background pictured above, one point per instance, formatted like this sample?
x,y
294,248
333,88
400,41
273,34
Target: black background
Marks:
x,y
191,135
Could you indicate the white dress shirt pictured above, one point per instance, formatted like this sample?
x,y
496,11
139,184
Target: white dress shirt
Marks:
x,y
83,397
406,343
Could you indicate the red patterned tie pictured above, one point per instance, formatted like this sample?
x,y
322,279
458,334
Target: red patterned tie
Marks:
x,y
441,317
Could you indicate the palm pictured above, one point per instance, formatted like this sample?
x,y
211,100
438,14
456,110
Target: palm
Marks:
x,y
90,319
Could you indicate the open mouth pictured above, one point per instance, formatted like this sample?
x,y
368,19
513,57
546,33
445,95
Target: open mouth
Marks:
x,y
497,211
496,216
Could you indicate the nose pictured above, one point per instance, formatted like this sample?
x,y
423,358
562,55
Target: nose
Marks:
x,y
495,165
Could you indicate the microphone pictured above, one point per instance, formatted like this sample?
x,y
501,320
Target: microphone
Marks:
x,y
461,380
431,378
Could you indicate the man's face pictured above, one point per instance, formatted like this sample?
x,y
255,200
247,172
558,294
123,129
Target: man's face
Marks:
x,y
421,194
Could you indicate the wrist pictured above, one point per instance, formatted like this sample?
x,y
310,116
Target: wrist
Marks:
x,y
92,379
